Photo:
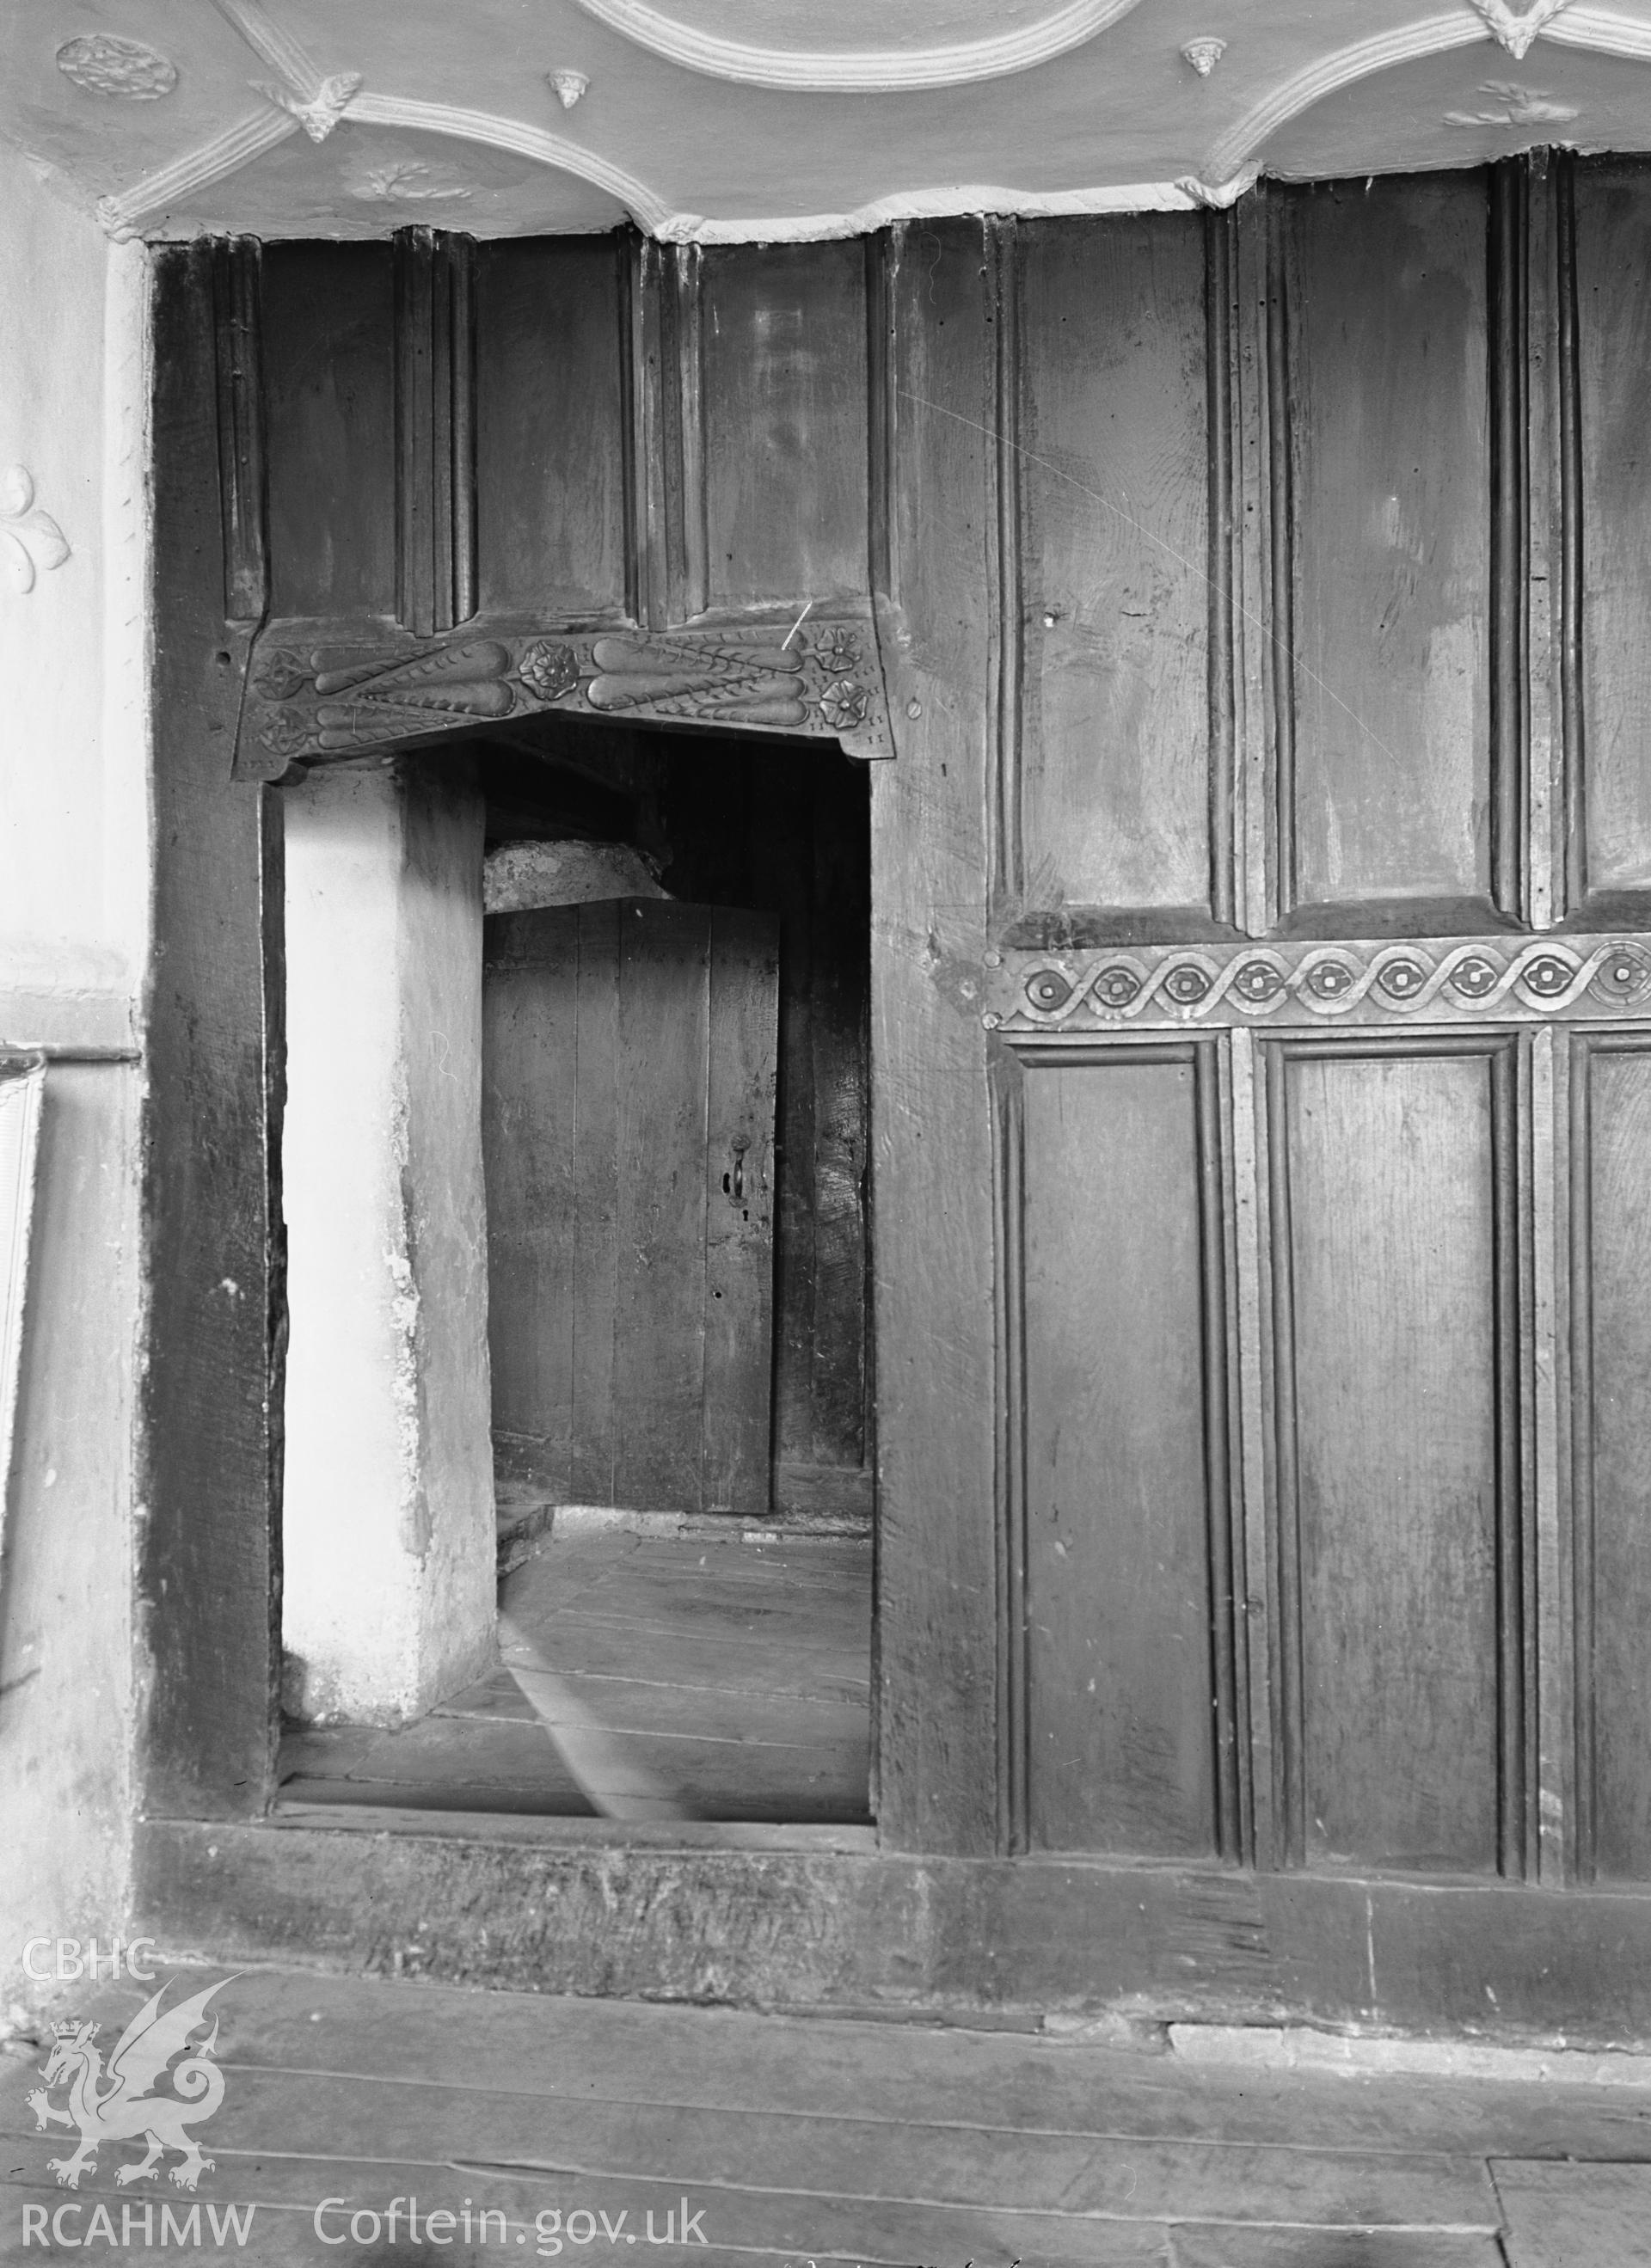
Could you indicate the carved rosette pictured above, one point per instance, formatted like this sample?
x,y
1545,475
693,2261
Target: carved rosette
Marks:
x,y
1319,984
310,699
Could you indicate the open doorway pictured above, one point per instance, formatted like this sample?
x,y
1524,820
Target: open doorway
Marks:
x,y
675,1084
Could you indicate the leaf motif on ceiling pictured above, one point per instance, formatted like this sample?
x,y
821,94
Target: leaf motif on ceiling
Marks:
x,y
1516,28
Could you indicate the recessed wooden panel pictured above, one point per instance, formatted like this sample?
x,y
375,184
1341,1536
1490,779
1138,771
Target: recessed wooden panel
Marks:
x,y
329,377
782,413
1390,1205
1612,250
1389,794
1120,1665
1116,591
1614,1614
550,437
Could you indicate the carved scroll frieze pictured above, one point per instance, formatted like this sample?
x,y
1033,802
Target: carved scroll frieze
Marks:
x,y
1319,983
313,697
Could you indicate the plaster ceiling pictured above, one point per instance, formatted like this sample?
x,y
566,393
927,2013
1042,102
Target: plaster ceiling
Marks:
x,y
730,120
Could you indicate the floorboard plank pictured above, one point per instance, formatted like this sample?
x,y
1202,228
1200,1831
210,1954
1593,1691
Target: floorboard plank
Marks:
x,y
1571,2216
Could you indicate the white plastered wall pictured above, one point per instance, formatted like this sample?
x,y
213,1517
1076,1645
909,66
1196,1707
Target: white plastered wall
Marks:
x,y
388,1537
74,940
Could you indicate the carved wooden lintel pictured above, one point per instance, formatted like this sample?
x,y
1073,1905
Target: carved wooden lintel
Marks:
x,y
320,691
1320,984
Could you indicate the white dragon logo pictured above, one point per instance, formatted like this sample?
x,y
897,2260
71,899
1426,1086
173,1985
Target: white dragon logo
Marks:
x,y
126,2107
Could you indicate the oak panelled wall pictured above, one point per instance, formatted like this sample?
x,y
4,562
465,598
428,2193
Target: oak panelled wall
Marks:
x,y
1261,967
1320,1127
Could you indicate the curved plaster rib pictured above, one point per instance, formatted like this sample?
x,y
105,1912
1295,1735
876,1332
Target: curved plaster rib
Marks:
x,y
867,70
196,169
1605,32
1433,35
649,211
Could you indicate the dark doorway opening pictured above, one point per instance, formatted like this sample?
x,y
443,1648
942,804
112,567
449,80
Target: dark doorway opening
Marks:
x,y
676,1134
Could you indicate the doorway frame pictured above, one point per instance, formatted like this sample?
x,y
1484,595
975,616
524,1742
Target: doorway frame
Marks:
x,y
929,1909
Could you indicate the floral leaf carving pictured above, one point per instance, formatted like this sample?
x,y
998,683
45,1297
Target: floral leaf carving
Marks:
x,y
31,541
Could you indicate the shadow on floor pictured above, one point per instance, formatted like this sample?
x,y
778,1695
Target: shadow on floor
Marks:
x,y
643,1676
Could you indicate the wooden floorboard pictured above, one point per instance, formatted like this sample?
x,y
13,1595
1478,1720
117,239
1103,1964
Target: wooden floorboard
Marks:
x,y
730,1679
1575,2216
888,2145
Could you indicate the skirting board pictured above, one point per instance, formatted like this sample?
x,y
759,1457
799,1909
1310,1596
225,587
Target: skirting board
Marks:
x,y
794,1922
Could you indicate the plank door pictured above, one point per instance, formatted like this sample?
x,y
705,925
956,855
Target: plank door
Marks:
x,y
630,1055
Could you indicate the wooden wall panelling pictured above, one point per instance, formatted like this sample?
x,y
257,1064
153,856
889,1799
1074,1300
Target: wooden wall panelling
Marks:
x,y
1003,566
242,476
1115,410
1507,356
647,575
1222,691
1394,1167
1548,1386
1260,612
1611,1263
937,1576
1546,896
435,430
1565,505
1256,1572
552,450
209,1551
1116,1158
329,373
1611,232
780,360
1378,300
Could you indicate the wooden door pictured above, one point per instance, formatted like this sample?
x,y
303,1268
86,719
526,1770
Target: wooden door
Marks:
x,y
629,1049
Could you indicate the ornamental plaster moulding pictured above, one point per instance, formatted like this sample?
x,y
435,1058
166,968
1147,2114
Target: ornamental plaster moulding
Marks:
x,y
1516,28
103,64
319,113
31,541
866,71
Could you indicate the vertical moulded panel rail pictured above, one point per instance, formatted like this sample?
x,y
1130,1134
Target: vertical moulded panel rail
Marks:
x,y
938,1598
1508,327
435,430
1605,218
209,1551
1222,692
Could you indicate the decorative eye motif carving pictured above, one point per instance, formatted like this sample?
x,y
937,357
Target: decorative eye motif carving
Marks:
x,y
1547,976
1116,987
1329,980
1402,980
1048,990
1258,982
1473,977
1186,983
1623,977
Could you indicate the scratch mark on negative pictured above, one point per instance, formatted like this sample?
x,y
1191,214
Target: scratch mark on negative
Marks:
x,y
1191,567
